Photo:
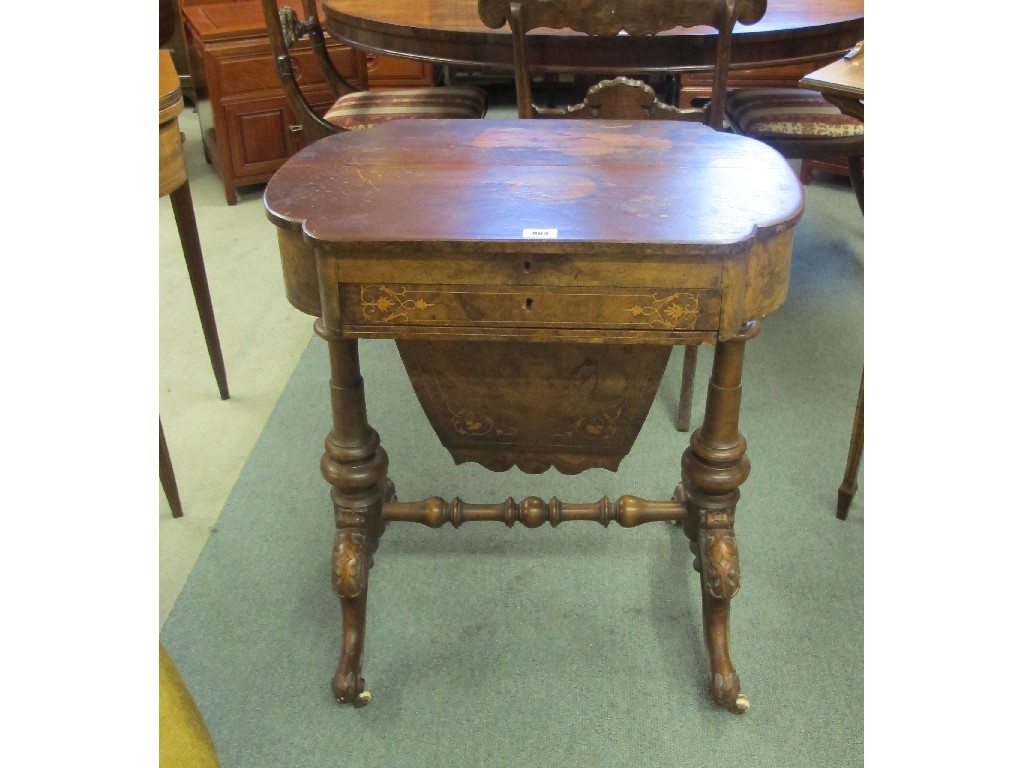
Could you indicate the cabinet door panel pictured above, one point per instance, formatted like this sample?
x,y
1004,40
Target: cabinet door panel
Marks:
x,y
259,136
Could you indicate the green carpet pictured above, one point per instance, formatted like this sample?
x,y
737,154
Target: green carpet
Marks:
x,y
575,646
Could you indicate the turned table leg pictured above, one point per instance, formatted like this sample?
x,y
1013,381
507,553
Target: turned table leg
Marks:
x,y
714,466
356,467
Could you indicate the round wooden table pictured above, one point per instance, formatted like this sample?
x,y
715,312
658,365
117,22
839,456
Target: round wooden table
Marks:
x,y
449,32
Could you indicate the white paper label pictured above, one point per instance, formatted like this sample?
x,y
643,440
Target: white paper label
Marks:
x,y
540,234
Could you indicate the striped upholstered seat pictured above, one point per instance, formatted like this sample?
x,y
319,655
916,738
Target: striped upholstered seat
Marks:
x,y
368,108
791,113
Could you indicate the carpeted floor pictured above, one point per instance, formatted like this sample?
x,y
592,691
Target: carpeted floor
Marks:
x,y
575,646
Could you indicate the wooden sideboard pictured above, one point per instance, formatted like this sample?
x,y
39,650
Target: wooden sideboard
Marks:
x,y
248,130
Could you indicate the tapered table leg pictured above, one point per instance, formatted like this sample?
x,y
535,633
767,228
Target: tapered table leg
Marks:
x,y
714,466
185,218
848,488
167,481
356,467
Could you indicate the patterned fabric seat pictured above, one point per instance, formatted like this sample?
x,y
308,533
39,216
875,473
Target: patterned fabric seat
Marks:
x,y
787,113
368,108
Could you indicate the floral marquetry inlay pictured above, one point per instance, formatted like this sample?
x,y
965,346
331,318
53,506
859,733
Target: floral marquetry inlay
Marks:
x,y
677,310
383,304
467,423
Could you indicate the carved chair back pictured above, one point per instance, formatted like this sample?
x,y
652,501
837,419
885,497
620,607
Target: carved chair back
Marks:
x,y
621,97
285,29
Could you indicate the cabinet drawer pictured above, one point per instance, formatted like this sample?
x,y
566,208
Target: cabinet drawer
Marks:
x,y
529,307
256,72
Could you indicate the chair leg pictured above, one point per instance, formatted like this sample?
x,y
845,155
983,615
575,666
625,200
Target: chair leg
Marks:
x,y
686,388
167,481
849,485
806,168
857,179
185,218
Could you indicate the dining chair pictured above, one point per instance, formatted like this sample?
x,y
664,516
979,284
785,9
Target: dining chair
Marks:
x,y
801,125
624,97
355,107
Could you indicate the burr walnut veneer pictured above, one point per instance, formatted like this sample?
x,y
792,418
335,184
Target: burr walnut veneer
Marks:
x,y
535,275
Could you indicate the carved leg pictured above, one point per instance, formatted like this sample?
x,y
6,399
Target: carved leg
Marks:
x,y
356,467
848,487
714,466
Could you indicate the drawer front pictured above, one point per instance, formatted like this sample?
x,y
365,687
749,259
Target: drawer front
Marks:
x,y
246,74
529,307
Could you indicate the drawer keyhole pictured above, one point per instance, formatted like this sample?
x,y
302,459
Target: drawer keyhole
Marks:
x,y
526,266
528,305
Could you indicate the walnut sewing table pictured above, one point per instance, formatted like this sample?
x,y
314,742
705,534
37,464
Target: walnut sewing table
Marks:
x,y
535,275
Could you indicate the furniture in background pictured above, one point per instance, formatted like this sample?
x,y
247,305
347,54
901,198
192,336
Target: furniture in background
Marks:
x,y
174,182
248,127
842,83
354,108
167,479
801,124
184,738
536,324
621,98
800,34
172,37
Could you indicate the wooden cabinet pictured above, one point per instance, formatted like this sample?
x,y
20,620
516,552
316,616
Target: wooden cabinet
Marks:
x,y
248,129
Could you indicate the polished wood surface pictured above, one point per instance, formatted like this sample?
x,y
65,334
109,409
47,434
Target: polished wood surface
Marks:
x,y
624,98
451,32
535,274
841,82
172,159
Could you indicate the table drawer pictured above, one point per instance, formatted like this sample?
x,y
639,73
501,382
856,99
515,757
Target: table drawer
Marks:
x,y
379,304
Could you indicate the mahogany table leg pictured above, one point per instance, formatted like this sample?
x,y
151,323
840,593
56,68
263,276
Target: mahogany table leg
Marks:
x,y
686,388
167,481
356,467
714,466
185,218
848,488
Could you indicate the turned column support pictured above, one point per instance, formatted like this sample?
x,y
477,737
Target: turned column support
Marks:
x,y
356,467
714,466
627,511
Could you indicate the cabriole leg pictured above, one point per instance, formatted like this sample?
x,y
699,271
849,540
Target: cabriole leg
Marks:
x,y
714,466
356,467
